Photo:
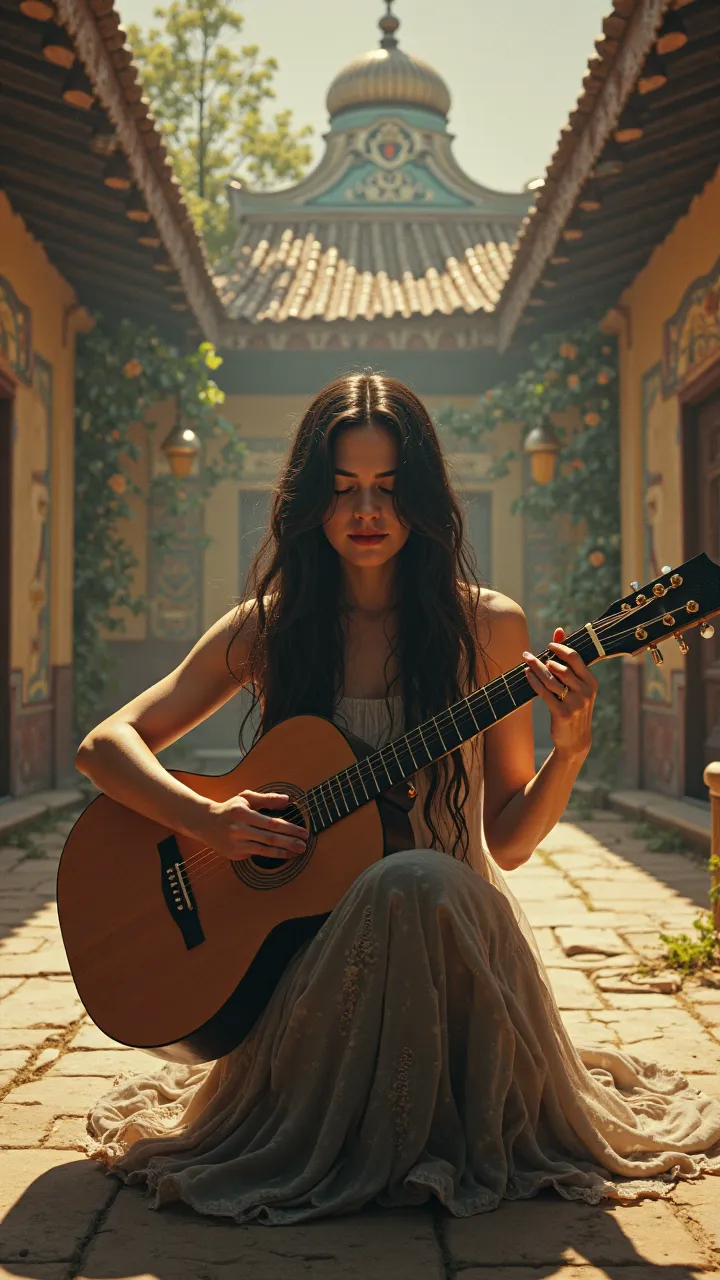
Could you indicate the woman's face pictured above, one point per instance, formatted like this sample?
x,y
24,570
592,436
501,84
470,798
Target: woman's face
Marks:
x,y
362,524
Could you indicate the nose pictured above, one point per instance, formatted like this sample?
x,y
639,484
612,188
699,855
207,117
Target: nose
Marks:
x,y
367,506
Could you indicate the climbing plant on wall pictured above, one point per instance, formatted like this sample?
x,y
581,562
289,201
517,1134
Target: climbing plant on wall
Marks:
x,y
122,372
571,381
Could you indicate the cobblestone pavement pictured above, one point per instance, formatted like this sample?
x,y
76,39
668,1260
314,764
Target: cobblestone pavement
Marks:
x,y
597,899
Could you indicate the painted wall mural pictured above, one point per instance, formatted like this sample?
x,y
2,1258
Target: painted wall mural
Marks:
x,y
33,548
15,332
175,584
691,337
661,496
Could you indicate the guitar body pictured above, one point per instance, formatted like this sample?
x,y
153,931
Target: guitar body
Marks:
x,y
178,951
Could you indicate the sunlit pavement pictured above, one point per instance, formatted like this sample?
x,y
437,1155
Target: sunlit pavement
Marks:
x,y
597,900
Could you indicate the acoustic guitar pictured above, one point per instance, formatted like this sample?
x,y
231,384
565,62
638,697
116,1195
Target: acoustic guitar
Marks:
x,y
177,950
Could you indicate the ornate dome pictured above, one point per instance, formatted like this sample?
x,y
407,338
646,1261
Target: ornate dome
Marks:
x,y
387,75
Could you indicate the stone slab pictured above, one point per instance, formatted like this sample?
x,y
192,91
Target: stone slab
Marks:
x,y
48,1202
550,1231
67,1133
42,1002
35,1271
65,1095
179,1244
13,813
51,959
105,1062
573,990
702,1203
576,941
91,1037
22,1037
24,1126
562,1272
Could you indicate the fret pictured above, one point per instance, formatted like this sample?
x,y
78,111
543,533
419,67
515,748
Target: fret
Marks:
x,y
402,771
343,797
489,700
322,797
362,780
507,686
368,761
437,730
406,740
461,736
316,819
381,758
332,796
349,782
468,704
422,739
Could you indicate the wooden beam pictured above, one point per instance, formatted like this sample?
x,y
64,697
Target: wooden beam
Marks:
x,y
180,241
616,88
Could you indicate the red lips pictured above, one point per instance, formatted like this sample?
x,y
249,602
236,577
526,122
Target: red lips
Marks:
x,y
368,539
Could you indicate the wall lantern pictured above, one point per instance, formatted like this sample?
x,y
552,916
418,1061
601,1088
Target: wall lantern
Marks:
x,y
181,447
40,10
673,33
78,90
57,46
543,445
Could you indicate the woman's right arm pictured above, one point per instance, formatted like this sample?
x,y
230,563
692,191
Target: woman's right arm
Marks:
x,y
119,755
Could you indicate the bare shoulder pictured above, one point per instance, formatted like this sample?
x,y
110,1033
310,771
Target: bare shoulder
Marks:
x,y
503,630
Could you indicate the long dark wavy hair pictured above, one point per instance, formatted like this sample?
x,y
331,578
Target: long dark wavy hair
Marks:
x,y
299,617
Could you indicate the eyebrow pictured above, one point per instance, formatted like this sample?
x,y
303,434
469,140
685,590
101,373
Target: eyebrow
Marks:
x,y
379,475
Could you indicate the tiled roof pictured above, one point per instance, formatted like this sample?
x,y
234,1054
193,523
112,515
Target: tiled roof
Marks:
x,y
362,268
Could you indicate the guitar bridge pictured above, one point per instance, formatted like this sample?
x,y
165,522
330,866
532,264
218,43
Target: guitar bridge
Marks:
x,y
178,893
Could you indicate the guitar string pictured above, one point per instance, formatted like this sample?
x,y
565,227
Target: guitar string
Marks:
x,y
210,855
518,682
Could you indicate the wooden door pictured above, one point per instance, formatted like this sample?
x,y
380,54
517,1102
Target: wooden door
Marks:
x,y
6,405
702,499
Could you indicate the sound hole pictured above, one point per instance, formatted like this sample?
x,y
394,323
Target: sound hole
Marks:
x,y
291,814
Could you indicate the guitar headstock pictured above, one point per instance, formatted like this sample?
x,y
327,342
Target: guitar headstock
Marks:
x,y
668,605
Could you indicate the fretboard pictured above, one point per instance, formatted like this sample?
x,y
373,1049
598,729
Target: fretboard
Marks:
x,y
367,779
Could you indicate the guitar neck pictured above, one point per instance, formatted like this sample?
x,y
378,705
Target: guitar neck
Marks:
x,y
367,779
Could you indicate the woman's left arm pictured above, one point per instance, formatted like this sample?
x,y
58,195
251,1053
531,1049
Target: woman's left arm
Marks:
x,y
522,806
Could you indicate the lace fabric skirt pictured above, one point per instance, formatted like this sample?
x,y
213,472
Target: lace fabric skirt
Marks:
x,y
412,1049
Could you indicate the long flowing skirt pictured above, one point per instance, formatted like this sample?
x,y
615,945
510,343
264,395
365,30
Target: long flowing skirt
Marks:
x,y
412,1049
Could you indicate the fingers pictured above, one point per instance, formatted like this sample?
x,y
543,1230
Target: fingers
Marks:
x,y
575,663
264,821
546,679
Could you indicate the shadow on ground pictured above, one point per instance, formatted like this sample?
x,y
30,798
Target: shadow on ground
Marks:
x,y
73,1221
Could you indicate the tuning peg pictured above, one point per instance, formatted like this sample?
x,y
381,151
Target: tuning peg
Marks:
x,y
634,586
656,655
667,568
707,631
682,644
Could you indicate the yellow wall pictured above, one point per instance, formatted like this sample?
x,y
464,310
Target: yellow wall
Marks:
x,y
40,287
650,416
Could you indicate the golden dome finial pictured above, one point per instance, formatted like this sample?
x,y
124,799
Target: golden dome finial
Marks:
x,y
388,24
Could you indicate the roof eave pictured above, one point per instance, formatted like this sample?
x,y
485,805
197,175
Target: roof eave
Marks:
x,y
545,222
162,194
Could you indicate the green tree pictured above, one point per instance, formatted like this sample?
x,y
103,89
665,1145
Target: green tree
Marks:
x,y
209,94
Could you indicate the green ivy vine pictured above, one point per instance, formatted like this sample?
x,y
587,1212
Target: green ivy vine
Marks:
x,y
122,372
570,378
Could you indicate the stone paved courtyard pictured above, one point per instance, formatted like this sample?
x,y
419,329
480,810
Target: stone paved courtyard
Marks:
x,y
597,899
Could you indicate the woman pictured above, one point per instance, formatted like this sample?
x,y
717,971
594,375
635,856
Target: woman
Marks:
x,y
413,1047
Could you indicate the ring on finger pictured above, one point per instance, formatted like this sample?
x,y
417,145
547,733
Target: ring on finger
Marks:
x,y
562,696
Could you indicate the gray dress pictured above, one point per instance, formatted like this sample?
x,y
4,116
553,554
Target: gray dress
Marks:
x,y
413,1049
